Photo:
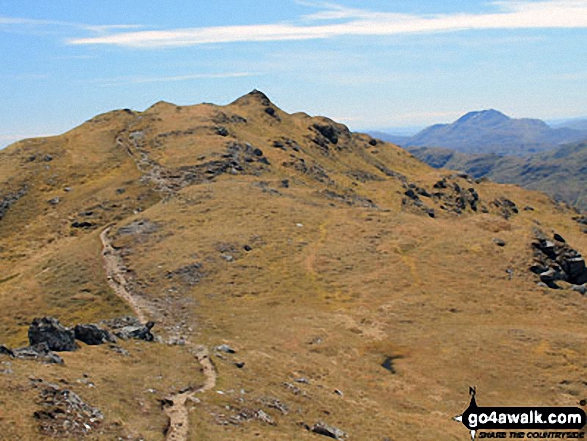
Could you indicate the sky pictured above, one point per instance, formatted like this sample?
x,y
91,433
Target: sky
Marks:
x,y
371,64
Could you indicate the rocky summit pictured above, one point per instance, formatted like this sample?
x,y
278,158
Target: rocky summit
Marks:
x,y
237,273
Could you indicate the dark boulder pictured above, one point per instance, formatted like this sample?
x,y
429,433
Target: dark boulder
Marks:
x,y
575,269
93,335
4,350
412,194
83,224
440,184
559,238
48,330
137,332
329,132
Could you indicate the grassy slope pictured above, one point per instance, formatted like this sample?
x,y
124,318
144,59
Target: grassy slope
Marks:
x,y
561,173
328,300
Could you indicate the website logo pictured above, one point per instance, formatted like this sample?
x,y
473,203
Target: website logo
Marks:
x,y
525,420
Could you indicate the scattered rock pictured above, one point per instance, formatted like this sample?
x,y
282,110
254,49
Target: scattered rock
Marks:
x,y
441,184
294,389
225,348
64,414
221,131
48,330
10,199
274,403
121,322
264,417
93,335
507,207
176,341
247,248
82,224
143,226
54,201
137,332
119,350
8,369
581,289
499,242
240,364
39,352
189,274
330,431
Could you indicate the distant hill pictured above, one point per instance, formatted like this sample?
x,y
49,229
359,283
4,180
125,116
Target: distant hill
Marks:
x,y
490,131
561,173
575,124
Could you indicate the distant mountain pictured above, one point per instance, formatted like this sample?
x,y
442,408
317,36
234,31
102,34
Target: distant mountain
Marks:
x,y
490,131
575,124
561,173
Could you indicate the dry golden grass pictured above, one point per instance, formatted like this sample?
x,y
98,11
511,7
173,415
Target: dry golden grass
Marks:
x,y
326,292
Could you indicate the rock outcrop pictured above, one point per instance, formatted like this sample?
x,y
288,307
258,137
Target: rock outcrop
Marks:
x,y
48,330
93,335
555,260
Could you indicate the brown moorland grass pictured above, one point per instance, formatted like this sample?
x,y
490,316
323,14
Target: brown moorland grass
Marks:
x,y
320,278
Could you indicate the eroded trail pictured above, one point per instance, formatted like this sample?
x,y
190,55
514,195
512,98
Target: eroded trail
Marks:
x,y
175,408
115,275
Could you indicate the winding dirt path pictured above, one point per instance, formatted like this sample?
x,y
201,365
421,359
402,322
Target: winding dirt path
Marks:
x,y
115,275
175,409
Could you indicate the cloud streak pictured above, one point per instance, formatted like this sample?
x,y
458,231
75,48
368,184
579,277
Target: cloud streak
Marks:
x,y
100,29
338,21
143,80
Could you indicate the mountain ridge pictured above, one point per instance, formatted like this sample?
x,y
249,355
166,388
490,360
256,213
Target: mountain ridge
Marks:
x,y
313,279
491,131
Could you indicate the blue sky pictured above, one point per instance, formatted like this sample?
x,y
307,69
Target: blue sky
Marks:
x,y
369,64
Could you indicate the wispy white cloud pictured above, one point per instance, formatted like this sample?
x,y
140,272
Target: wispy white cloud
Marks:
x,y
141,80
335,21
34,23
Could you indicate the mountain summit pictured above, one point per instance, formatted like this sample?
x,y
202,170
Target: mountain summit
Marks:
x,y
484,118
490,131
241,273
